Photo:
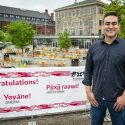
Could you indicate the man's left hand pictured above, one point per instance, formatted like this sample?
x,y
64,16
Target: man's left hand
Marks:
x,y
120,103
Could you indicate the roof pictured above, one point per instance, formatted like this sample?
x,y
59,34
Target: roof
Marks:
x,y
79,4
23,12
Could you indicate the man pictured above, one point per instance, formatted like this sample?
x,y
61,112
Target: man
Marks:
x,y
104,77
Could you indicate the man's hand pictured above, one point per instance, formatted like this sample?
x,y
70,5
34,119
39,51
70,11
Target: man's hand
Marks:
x,y
120,103
91,97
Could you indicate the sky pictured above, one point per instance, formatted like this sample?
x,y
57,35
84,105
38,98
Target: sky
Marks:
x,y
38,5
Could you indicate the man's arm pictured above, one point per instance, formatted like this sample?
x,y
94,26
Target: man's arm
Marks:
x,y
91,96
88,78
88,69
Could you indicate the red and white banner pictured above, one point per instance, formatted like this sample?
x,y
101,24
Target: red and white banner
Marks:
x,y
34,91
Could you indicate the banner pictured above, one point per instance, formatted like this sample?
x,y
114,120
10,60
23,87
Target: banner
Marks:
x,y
35,91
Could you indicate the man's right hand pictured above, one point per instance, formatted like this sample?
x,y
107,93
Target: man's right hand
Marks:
x,y
91,96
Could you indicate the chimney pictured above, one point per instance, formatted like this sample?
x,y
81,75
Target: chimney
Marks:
x,y
46,10
52,16
75,1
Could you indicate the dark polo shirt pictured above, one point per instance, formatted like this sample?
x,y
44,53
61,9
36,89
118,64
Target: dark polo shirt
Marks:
x,y
105,69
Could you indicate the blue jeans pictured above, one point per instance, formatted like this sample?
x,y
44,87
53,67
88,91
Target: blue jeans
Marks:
x,y
98,113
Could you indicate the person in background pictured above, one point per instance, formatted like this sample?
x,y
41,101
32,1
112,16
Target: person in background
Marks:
x,y
104,77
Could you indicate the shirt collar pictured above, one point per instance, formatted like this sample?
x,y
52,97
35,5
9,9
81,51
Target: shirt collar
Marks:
x,y
115,41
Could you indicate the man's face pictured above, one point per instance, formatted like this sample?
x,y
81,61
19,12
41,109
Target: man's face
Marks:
x,y
110,26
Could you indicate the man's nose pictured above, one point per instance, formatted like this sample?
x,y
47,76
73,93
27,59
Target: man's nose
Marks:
x,y
110,26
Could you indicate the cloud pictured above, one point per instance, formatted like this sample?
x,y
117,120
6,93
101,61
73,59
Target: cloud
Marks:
x,y
38,5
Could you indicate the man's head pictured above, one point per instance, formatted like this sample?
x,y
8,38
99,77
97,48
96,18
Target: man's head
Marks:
x,y
111,25
111,14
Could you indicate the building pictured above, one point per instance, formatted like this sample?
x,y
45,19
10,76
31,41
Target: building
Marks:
x,y
80,18
43,23
77,41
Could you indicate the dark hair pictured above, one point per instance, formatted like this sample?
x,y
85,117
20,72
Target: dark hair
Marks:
x,y
111,14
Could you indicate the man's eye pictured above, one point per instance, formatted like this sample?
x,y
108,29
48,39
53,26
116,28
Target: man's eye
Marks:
x,y
107,23
114,23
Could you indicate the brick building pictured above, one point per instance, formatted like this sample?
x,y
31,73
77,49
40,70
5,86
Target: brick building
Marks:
x,y
42,22
80,18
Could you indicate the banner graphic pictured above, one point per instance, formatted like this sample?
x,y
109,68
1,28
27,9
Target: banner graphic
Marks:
x,y
35,91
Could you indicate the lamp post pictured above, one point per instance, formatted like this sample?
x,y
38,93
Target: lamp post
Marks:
x,y
34,45
45,24
36,27
45,27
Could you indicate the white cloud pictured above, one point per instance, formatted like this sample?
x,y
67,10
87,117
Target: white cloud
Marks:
x,y
38,5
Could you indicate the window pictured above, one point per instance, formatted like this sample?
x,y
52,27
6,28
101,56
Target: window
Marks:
x,y
5,15
62,15
11,16
1,15
17,17
42,20
57,15
72,31
69,14
100,11
93,10
80,32
100,22
73,13
65,14
72,24
77,12
65,24
100,32
81,23
38,19
81,12
23,18
88,11
69,24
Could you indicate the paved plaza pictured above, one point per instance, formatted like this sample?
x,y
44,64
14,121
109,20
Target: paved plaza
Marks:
x,y
72,118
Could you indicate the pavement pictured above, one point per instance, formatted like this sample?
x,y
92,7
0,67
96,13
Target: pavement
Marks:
x,y
72,118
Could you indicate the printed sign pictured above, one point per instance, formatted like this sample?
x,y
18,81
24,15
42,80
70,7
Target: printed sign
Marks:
x,y
34,91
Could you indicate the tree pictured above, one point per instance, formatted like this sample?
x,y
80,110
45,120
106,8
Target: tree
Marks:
x,y
117,6
21,34
7,37
122,33
64,40
2,36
